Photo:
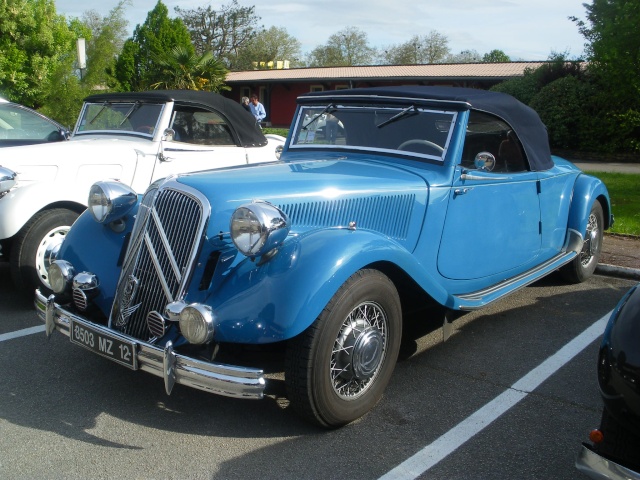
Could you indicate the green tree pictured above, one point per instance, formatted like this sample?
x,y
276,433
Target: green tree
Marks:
x,y
34,41
223,32
105,42
533,80
495,56
564,107
348,47
430,48
613,48
465,56
271,45
184,69
136,69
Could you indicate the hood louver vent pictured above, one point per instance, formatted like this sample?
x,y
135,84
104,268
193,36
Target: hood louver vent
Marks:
x,y
385,214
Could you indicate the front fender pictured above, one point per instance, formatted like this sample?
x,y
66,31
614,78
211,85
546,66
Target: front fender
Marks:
x,y
586,191
281,298
95,247
24,201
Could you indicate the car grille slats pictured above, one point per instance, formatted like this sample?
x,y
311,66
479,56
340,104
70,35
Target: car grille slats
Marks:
x,y
165,240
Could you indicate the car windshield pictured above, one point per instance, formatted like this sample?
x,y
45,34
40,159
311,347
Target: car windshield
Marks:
x,y
19,123
120,117
410,130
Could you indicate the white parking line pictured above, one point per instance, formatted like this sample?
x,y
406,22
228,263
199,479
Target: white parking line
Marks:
x,y
432,454
21,333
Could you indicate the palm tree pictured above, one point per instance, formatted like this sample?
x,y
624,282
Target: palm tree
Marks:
x,y
182,69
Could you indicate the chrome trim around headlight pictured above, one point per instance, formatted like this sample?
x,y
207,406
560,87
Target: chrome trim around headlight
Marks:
x,y
258,227
110,200
197,323
7,180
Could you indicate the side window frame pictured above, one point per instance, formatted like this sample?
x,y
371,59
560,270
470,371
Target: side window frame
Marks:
x,y
200,126
489,133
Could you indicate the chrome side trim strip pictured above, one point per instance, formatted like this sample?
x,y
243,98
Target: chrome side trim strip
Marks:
x,y
474,300
226,380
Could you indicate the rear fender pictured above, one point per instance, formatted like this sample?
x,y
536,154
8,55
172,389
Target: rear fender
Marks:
x,y
279,299
586,191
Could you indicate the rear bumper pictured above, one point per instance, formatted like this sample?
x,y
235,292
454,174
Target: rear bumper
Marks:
x,y
597,467
227,380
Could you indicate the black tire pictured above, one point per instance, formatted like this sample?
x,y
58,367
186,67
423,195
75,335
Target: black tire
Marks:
x,y
363,320
33,246
583,266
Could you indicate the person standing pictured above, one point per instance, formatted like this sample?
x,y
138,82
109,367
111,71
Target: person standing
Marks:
x,y
245,104
257,109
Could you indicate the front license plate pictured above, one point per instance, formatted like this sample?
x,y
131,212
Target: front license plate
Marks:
x,y
116,349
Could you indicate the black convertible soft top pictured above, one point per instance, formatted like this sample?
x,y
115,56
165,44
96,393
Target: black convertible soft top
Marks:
x,y
523,120
244,124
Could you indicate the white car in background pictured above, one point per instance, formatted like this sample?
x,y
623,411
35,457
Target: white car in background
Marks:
x,y
136,138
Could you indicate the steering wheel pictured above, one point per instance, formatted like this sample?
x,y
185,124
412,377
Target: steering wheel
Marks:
x,y
145,129
419,141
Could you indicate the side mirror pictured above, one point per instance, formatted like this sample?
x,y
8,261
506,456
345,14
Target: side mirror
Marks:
x,y
485,161
169,134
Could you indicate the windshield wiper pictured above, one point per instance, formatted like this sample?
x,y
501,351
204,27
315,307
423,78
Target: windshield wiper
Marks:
x,y
95,117
412,110
133,108
331,107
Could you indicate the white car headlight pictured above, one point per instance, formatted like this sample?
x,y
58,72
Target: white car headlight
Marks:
x,y
109,201
258,227
197,323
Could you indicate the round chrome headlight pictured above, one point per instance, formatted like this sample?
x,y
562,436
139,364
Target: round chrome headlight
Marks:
x,y
197,323
258,227
61,275
111,200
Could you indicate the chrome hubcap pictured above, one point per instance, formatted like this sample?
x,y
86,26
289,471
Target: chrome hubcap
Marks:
x,y
591,245
359,350
48,251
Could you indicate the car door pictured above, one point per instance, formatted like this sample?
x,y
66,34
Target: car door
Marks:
x,y
493,217
203,140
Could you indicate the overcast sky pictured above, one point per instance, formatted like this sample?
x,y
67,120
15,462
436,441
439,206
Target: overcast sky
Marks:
x,y
523,29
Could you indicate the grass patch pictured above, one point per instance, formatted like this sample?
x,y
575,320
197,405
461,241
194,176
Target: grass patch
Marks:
x,y
276,131
624,190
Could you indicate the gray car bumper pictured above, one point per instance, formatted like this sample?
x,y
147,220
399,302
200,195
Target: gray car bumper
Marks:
x,y
227,380
597,467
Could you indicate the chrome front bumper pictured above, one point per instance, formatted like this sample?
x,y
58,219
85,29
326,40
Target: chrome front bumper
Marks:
x,y
597,467
227,380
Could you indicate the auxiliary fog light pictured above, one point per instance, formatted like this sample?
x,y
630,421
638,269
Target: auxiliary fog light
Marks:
x,y
61,275
197,323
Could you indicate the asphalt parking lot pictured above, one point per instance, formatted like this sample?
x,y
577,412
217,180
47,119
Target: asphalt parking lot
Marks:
x,y
510,395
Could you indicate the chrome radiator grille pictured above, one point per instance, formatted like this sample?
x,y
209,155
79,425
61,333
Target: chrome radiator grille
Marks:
x,y
162,248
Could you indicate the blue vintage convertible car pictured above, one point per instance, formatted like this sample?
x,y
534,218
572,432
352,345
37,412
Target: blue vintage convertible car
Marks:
x,y
422,196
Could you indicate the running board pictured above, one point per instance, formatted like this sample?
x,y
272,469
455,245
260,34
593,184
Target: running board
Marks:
x,y
475,300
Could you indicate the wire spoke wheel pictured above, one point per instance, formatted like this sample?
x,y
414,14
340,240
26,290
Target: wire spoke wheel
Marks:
x,y
337,369
359,350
